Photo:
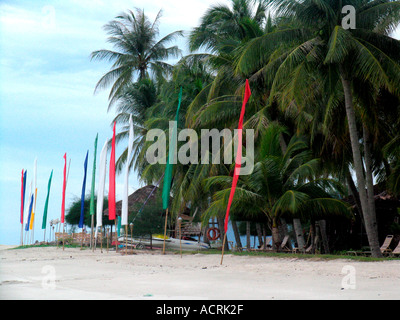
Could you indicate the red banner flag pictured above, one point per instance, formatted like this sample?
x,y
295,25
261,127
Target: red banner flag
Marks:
x,y
111,188
238,160
63,190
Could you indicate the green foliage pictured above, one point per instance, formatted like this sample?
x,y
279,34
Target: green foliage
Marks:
x,y
150,220
73,213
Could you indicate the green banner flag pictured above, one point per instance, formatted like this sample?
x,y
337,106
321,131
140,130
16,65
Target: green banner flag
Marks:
x,y
46,205
92,204
172,147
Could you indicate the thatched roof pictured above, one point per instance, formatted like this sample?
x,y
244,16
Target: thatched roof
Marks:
x,y
138,197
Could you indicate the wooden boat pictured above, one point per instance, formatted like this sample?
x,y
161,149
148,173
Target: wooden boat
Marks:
x,y
157,241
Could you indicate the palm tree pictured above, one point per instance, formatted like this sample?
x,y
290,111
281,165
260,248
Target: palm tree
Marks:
x,y
137,53
315,43
282,184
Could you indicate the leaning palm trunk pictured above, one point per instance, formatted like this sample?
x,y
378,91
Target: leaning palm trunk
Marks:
x,y
372,232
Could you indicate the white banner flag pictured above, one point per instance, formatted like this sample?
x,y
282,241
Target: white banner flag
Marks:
x,y
124,210
100,190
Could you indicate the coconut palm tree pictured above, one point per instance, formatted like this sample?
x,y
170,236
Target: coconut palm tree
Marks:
x,y
316,42
137,51
282,184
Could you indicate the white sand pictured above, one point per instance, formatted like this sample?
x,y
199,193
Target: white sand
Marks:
x,y
51,273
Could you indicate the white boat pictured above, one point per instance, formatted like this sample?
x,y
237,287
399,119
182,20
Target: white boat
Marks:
x,y
157,241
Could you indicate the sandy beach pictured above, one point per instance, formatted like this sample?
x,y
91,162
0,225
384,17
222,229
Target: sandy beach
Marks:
x,y
51,273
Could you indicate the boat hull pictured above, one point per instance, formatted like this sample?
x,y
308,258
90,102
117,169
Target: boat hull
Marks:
x,y
170,243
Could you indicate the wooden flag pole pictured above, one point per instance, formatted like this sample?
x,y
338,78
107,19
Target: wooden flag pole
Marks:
x,y
22,234
223,248
180,235
165,229
108,238
92,233
116,235
101,240
82,239
63,235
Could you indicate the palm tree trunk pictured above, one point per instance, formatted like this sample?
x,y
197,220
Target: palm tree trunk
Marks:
x,y
275,236
236,233
369,177
259,234
372,232
298,229
324,236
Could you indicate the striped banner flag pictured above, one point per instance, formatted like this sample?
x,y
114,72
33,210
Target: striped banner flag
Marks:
x,y
35,195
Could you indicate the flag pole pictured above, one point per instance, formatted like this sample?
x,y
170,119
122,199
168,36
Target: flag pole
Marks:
x,y
116,235
223,248
69,164
165,229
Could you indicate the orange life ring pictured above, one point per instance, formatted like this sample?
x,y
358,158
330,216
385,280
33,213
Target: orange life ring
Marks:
x,y
213,234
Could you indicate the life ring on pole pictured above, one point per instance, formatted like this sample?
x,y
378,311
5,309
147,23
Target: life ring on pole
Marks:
x,y
213,234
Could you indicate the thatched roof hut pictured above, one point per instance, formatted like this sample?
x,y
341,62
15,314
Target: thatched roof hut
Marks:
x,y
137,198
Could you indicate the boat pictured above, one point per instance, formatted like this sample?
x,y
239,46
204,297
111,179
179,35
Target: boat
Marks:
x,y
157,241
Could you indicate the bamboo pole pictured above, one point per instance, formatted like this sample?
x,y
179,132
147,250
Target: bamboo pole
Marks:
x,y
126,239
92,233
63,235
22,234
165,229
180,234
108,237
116,235
101,239
223,248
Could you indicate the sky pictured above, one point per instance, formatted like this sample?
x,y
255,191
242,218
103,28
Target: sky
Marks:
x,y
47,101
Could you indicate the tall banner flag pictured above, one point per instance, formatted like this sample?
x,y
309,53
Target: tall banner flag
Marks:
x,y
100,188
23,187
238,161
46,205
92,210
23,179
124,210
171,154
63,190
28,211
111,188
168,170
35,194
29,214
83,192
